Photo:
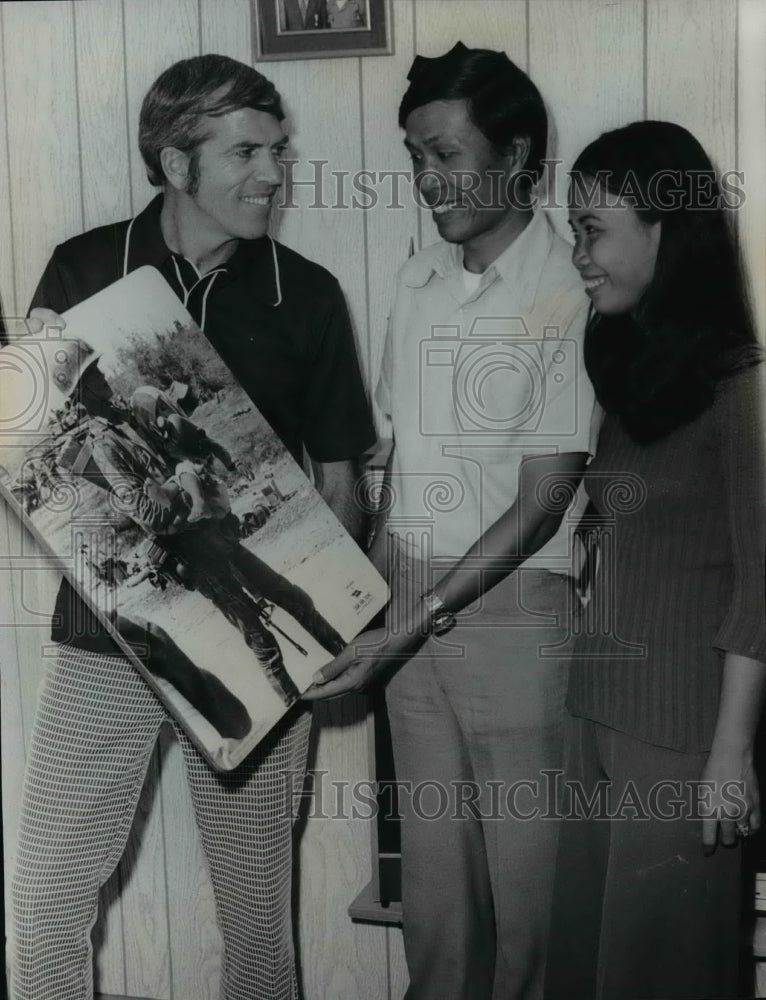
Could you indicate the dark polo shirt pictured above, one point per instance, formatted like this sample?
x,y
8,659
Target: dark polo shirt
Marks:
x,y
282,328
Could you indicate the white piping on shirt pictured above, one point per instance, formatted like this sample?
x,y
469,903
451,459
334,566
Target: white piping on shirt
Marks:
x,y
180,279
276,272
210,274
127,244
204,298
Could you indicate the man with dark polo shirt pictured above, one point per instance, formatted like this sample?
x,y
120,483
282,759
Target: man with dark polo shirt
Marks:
x,y
211,136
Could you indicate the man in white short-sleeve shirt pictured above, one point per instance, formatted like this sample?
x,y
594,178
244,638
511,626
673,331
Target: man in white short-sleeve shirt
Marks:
x,y
479,371
484,382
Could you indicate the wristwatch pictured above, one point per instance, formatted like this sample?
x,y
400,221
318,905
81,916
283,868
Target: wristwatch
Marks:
x,y
442,620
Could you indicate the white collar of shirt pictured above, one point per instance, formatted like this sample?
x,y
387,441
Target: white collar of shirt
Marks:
x,y
520,265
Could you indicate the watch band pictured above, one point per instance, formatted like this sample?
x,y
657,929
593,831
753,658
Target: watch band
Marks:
x,y
442,620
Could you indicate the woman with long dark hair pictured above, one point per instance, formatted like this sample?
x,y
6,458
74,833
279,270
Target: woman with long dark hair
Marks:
x,y
669,669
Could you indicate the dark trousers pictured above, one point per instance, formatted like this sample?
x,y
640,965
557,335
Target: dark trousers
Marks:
x,y
639,913
235,579
277,589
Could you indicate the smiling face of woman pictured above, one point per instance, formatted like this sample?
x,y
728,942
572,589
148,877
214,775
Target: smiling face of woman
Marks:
x,y
615,251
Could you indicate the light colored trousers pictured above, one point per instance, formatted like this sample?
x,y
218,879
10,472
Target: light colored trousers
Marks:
x,y
96,726
477,715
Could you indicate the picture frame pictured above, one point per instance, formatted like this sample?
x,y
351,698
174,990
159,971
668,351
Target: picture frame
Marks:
x,y
321,29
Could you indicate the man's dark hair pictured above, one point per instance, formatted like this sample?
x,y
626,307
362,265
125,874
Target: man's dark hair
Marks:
x,y
502,101
659,366
173,110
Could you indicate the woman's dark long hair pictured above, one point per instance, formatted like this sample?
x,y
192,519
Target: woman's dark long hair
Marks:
x,y
658,367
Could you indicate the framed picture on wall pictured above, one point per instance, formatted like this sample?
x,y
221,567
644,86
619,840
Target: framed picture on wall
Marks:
x,y
320,29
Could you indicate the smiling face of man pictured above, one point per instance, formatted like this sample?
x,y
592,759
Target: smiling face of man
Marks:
x,y
238,175
462,176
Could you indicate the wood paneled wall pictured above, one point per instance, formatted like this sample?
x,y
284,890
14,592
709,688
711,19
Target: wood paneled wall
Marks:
x,y
73,75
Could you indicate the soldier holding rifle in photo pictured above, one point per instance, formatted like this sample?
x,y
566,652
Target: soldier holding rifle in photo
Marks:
x,y
207,557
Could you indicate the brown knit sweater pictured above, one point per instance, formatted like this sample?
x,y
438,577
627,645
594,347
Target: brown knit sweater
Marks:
x,y
682,575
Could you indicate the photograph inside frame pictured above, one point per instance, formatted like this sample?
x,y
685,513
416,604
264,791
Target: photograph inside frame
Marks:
x,y
322,15
177,514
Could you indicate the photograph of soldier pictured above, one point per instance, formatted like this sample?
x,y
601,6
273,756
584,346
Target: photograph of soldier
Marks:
x,y
174,434
172,500
155,462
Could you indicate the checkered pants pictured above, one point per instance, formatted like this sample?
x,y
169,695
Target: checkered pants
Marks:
x,y
96,727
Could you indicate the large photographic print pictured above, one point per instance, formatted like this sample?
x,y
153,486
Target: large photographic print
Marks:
x,y
177,514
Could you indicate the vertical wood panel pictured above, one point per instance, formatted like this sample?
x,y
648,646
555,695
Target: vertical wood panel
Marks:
x,y
7,279
751,105
586,90
339,959
44,164
102,98
492,24
226,29
109,972
334,237
11,716
156,36
690,71
389,228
